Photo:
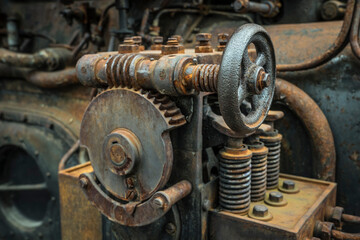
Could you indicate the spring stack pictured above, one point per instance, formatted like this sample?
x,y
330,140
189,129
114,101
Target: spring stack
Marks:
x,y
258,170
272,140
235,177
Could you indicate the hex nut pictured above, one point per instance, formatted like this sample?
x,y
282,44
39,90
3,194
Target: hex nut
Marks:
x,y
276,197
260,210
288,184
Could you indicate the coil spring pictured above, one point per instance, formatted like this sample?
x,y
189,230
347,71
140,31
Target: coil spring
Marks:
x,y
205,77
258,171
273,143
235,180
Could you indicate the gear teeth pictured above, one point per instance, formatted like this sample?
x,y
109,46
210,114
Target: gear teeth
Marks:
x,y
166,106
162,102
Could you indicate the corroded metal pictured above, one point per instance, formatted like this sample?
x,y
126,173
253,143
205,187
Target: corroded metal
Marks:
x,y
315,122
296,220
235,178
49,59
258,170
85,222
134,213
146,144
180,75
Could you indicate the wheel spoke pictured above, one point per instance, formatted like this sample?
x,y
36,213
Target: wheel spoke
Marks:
x,y
246,61
260,60
8,187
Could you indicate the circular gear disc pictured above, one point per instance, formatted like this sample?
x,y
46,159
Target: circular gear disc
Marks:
x,y
149,117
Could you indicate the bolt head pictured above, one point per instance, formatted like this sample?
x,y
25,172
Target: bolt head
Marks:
x,y
266,80
170,228
260,210
172,41
276,197
137,39
178,37
158,40
288,184
223,38
158,202
203,37
83,182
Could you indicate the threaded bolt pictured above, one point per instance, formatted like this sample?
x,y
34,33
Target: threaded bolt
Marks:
x,y
203,38
223,39
178,37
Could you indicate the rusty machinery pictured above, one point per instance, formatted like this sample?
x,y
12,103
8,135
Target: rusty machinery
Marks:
x,y
146,149
181,140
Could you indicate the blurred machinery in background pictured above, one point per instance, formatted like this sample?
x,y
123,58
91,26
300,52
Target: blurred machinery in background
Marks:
x,y
179,119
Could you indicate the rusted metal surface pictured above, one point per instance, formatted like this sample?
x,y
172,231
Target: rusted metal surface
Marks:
x,y
267,8
222,41
79,219
153,155
235,177
182,75
296,220
338,235
67,155
333,50
49,59
172,46
350,218
157,43
315,122
41,79
133,213
204,45
354,32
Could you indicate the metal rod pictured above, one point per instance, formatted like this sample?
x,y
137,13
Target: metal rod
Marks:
x,y
26,187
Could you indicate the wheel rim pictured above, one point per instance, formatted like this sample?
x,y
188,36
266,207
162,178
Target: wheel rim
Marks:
x,y
23,192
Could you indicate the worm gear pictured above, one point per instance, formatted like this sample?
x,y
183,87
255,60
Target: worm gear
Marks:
x,y
127,136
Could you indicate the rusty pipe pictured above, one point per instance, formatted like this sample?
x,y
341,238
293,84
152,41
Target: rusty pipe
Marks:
x,y
41,79
315,122
338,235
350,218
48,59
333,50
53,79
354,33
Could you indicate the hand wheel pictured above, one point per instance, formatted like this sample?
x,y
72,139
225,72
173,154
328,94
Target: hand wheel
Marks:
x,y
245,86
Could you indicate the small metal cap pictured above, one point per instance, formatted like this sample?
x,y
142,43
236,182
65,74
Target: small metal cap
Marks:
x,y
288,186
83,182
203,37
275,199
260,212
158,202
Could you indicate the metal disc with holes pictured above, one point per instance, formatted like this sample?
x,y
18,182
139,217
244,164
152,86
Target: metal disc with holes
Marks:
x,y
244,97
126,133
